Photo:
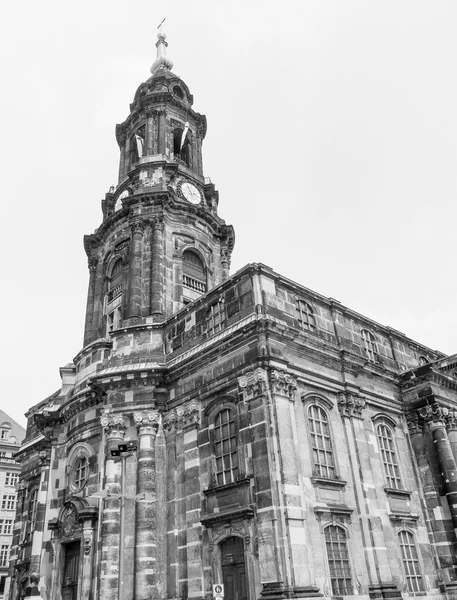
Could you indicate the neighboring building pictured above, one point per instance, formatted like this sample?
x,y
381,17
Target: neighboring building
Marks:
x,y
11,436
295,448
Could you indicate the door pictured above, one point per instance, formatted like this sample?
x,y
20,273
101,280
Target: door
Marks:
x,y
70,571
234,569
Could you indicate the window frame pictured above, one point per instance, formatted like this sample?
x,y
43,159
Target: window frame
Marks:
x,y
370,345
325,406
304,309
417,561
330,562
212,326
32,508
234,469
395,477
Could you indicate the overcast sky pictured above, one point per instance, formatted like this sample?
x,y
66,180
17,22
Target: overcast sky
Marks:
x,y
332,139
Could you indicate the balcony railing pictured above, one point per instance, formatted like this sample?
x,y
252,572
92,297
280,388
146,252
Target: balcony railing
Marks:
x,y
115,292
194,284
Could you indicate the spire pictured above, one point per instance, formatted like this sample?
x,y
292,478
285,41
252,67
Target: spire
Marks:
x,y
162,61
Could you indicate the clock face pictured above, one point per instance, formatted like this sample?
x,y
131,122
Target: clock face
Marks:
x,y
190,193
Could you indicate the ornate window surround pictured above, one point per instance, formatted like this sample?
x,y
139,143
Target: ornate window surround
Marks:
x,y
78,451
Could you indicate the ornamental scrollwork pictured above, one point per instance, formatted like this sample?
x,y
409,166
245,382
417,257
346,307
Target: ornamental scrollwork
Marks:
x,y
434,414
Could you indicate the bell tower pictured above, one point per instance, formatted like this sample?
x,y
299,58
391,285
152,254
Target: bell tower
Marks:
x,y
161,243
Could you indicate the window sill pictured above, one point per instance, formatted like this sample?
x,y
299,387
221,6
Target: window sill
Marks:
x,y
395,492
400,517
328,483
220,488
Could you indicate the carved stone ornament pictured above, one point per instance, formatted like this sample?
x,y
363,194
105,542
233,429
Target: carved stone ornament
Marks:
x,y
415,422
113,422
351,405
282,383
147,418
45,458
70,524
253,383
87,541
451,420
137,225
180,417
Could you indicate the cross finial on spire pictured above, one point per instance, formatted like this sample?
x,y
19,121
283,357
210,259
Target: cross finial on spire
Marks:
x,y
162,61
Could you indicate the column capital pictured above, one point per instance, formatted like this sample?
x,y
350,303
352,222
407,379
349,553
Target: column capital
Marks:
x,y
147,421
351,405
45,458
451,420
158,225
434,415
113,424
282,383
253,383
182,416
137,225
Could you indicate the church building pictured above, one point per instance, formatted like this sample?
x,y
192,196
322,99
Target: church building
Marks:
x,y
234,429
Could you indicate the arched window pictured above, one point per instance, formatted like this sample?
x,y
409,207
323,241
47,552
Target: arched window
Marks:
x,y
321,442
369,345
181,148
305,315
338,560
114,298
423,361
225,447
193,275
389,456
32,511
81,472
411,563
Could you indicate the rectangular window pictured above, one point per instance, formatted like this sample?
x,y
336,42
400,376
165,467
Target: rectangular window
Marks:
x,y
215,318
4,554
7,527
9,502
4,434
11,478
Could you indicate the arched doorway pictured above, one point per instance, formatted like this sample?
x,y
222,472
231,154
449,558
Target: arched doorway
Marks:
x,y
234,569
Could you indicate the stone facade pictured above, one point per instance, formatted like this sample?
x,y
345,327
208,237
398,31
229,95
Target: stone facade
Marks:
x,y
239,429
11,436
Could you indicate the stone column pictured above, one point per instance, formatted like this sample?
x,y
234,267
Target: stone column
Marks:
x,y
150,130
36,566
156,271
435,415
147,423
90,302
114,427
135,270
